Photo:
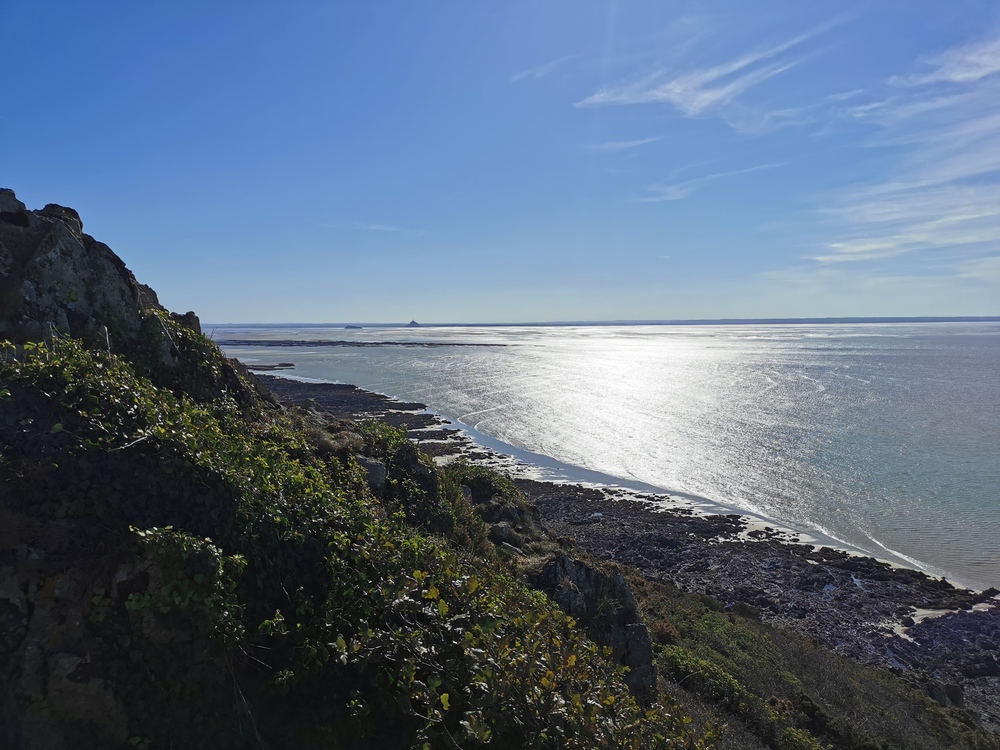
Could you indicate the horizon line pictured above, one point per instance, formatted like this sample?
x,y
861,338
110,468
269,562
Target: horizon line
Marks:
x,y
640,322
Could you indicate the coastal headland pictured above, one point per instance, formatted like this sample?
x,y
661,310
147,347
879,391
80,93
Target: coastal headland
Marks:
x,y
194,557
862,608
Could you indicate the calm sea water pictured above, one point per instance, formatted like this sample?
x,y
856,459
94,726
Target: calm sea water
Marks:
x,y
883,437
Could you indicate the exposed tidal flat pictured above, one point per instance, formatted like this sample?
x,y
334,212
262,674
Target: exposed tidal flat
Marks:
x,y
879,438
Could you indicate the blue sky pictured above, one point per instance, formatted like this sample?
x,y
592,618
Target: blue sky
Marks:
x,y
520,161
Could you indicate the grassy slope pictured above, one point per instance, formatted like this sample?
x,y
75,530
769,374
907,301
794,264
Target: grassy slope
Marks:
x,y
780,690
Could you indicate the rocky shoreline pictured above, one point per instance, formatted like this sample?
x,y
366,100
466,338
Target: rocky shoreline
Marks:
x,y
943,637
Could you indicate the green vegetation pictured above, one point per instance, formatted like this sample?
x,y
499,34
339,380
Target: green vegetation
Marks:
x,y
205,570
236,587
786,692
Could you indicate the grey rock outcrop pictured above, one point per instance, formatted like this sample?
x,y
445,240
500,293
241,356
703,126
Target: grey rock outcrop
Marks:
x,y
44,656
55,280
188,320
375,471
603,603
53,277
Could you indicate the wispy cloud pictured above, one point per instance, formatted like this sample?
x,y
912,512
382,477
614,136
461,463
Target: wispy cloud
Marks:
x,y
904,220
540,71
679,190
615,146
696,91
380,228
944,194
981,269
883,290
966,64
374,228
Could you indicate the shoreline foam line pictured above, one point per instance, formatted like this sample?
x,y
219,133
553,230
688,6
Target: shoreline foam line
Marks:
x,y
540,467
549,469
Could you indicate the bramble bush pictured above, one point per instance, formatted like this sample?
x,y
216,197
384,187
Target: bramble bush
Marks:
x,y
243,592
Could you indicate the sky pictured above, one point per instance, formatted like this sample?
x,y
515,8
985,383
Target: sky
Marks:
x,y
544,160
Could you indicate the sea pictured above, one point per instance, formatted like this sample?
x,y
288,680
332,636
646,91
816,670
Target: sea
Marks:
x,y
879,438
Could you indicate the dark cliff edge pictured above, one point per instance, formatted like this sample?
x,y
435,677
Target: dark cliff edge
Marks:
x,y
184,563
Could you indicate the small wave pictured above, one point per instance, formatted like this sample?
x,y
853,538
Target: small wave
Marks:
x,y
914,562
465,417
304,379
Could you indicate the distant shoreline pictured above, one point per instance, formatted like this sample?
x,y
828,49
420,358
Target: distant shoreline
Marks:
x,y
313,343
602,323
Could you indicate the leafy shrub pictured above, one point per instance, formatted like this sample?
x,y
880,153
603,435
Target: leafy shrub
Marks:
x,y
497,499
412,484
243,591
485,483
798,739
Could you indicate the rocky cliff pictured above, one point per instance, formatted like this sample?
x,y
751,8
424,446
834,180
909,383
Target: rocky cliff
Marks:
x,y
54,277
185,565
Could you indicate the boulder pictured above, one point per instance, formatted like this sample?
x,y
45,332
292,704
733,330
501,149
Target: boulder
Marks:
x,y
12,211
188,320
504,533
56,279
945,694
376,472
67,216
603,603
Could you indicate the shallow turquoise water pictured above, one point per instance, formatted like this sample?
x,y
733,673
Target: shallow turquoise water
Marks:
x,y
885,437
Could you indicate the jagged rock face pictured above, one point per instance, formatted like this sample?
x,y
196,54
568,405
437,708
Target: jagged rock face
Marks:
x,y
56,280
604,604
53,276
